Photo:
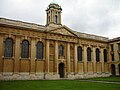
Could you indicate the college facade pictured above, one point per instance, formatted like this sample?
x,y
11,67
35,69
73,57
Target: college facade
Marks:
x,y
30,51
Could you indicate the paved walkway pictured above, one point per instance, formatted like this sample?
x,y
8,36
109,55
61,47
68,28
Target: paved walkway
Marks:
x,y
109,82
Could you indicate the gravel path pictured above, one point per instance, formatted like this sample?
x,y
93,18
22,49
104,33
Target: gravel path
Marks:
x,y
109,82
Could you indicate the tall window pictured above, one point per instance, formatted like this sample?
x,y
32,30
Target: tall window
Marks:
x,y
119,50
55,18
118,46
88,54
79,53
112,49
39,50
112,52
97,55
25,49
61,50
112,56
105,55
8,51
47,18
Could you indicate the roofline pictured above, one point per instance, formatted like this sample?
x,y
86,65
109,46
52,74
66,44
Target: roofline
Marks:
x,y
2,18
114,39
32,26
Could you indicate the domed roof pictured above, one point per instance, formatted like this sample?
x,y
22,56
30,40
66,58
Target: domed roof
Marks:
x,y
54,2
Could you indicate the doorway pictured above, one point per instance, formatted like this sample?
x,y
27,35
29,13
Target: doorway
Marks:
x,y
113,69
119,69
61,70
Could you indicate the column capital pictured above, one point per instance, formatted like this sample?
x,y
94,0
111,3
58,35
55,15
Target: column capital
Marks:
x,y
85,45
94,45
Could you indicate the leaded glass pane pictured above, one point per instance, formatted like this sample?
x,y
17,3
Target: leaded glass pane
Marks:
x,y
8,48
39,50
79,54
105,55
97,55
25,49
88,54
61,50
55,19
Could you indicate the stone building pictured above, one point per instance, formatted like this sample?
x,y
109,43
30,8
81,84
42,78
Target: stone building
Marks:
x,y
54,51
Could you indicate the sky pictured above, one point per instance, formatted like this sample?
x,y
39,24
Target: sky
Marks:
x,y
98,17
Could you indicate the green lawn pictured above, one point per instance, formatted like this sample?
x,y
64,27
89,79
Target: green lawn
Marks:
x,y
111,79
56,85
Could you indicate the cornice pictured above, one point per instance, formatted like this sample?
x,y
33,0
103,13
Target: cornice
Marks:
x,y
40,28
20,25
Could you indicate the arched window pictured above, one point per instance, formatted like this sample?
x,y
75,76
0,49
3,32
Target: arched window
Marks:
x,y
8,51
61,50
105,55
88,54
39,50
97,55
25,49
79,53
55,19
49,19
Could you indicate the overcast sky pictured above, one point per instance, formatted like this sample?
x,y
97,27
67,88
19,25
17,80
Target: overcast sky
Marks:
x,y
99,17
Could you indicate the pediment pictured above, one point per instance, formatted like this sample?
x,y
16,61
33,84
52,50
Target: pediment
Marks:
x,y
64,31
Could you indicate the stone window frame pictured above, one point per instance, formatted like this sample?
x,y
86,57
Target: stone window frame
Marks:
x,y
105,55
79,53
89,54
23,52
119,50
7,45
97,53
118,46
55,19
61,50
40,54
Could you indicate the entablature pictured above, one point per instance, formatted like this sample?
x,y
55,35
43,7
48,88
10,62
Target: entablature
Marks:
x,y
52,36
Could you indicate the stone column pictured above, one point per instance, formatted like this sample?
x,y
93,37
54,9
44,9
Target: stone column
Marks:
x,y
47,57
85,59
68,57
75,57
56,57
33,56
94,60
1,53
17,55
102,59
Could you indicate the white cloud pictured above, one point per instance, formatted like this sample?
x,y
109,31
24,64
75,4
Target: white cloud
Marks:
x,y
100,17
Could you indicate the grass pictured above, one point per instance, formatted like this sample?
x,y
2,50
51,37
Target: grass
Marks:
x,y
110,79
56,85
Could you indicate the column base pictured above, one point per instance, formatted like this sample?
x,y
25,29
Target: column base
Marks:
x,y
70,76
91,75
51,76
